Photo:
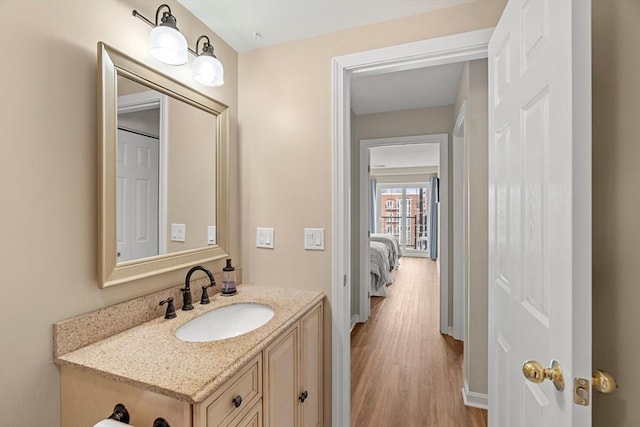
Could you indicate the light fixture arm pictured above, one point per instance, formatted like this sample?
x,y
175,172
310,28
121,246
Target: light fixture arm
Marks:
x,y
207,47
142,18
165,15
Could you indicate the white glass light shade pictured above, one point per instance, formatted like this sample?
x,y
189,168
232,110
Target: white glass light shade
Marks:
x,y
208,71
168,45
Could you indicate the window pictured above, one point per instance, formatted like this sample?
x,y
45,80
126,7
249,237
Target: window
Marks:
x,y
404,211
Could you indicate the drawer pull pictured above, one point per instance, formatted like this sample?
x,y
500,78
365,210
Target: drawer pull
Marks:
x,y
237,401
303,396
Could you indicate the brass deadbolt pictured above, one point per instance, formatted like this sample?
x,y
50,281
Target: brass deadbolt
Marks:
x,y
603,382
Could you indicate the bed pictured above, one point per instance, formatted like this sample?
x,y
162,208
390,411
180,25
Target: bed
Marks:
x,y
383,258
393,244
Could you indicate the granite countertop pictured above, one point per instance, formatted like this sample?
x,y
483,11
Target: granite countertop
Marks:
x,y
150,356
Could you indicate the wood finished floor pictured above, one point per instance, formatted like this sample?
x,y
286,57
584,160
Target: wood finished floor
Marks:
x,y
403,371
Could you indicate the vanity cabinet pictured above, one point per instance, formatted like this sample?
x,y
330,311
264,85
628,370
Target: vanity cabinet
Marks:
x,y
293,375
280,387
87,397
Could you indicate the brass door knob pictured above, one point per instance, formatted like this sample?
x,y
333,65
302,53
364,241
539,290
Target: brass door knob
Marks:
x,y
534,372
603,382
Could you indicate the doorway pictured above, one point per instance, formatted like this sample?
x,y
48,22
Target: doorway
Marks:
x,y
460,47
434,148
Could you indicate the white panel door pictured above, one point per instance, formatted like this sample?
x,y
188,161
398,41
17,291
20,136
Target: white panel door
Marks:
x,y
137,196
540,210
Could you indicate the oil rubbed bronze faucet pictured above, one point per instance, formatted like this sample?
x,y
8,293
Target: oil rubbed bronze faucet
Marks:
x,y
186,291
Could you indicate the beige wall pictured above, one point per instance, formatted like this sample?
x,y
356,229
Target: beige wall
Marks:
x,y
473,92
191,172
286,142
616,208
48,182
421,121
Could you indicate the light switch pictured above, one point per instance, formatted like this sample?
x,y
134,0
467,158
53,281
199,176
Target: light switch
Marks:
x,y
264,237
211,234
314,239
178,232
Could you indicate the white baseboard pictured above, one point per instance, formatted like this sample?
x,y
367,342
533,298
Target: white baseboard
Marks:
x,y
447,331
354,320
473,399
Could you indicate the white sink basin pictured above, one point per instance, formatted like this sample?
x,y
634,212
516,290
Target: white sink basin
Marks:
x,y
225,322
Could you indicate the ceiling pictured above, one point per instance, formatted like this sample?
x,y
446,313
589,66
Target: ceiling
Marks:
x,y
279,21
404,90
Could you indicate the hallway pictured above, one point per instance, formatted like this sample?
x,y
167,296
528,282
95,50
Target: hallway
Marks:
x,y
403,371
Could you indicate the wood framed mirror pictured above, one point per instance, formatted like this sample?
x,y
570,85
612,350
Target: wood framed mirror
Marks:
x,y
163,172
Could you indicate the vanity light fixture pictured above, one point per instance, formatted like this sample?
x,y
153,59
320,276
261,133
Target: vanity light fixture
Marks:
x,y
207,70
167,44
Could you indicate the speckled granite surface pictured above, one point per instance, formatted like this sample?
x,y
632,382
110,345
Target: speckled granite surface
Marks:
x,y
88,328
151,357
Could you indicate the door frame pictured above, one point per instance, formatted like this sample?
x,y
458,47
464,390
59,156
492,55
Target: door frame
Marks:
x,y
442,139
460,238
442,50
146,101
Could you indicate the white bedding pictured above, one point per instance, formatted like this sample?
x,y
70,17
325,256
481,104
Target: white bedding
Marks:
x,y
394,247
380,269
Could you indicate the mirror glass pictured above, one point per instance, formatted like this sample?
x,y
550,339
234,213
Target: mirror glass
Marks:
x,y
163,171
166,174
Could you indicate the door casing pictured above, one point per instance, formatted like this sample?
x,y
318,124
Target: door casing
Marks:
x,y
443,50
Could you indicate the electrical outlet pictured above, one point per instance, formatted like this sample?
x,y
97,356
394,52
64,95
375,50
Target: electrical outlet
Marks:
x,y
264,237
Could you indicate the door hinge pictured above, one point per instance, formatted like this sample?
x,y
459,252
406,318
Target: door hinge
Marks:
x,y
581,391
344,281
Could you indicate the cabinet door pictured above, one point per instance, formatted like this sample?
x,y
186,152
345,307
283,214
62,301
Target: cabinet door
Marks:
x,y
311,364
281,393
87,397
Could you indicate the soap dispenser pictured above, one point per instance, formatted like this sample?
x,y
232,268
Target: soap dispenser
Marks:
x,y
228,280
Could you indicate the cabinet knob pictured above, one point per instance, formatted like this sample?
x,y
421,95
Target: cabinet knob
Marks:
x,y
237,401
160,422
303,396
